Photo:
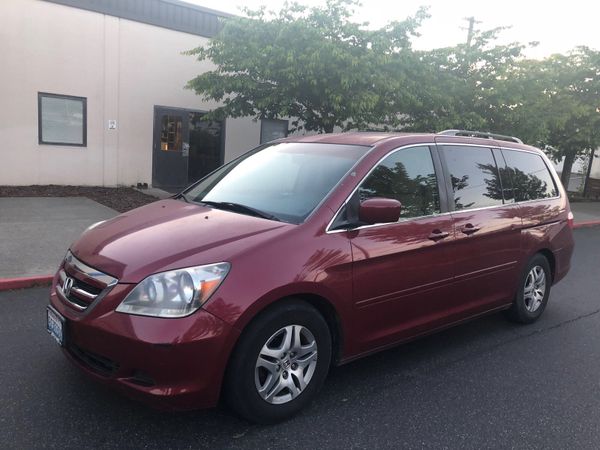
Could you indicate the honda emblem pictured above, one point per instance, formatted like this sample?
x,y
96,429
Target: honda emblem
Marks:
x,y
67,286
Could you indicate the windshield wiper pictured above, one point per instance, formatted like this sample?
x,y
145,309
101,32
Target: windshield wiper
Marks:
x,y
238,207
182,196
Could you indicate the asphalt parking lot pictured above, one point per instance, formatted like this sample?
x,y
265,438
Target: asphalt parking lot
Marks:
x,y
486,384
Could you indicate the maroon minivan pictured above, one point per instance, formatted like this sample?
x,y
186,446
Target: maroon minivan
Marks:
x,y
308,252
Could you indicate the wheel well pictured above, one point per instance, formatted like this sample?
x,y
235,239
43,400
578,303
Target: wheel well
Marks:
x,y
547,253
326,309
333,322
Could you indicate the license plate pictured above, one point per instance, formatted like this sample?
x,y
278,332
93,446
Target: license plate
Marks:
x,y
55,325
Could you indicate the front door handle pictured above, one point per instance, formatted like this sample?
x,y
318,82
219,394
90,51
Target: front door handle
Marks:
x,y
436,235
470,229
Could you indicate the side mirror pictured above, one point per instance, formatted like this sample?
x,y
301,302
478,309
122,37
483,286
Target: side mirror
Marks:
x,y
379,210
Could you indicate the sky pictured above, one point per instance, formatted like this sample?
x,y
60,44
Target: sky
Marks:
x,y
558,25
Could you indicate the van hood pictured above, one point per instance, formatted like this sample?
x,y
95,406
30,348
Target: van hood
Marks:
x,y
170,234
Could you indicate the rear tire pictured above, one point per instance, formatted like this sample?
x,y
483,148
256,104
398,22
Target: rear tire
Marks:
x,y
279,364
533,291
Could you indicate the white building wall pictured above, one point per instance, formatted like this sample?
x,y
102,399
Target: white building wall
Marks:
x,y
595,172
123,68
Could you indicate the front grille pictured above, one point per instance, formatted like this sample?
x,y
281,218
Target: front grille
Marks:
x,y
99,364
79,284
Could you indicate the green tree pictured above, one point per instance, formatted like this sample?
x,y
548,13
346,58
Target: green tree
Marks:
x,y
312,64
572,99
482,86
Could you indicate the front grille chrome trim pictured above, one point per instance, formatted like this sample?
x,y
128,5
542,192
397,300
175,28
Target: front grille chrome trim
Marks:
x,y
64,298
88,271
83,293
77,295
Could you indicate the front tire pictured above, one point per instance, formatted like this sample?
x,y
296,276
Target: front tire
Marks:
x,y
280,363
533,291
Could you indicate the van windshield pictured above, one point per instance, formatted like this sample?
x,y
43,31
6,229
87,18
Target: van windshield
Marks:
x,y
284,181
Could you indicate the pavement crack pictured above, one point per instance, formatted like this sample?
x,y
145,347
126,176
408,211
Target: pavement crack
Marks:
x,y
566,322
427,371
521,336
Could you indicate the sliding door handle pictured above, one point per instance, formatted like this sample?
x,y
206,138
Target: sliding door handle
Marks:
x,y
436,235
470,229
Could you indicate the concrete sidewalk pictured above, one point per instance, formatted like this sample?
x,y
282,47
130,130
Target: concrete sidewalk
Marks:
x,y
35,232
585,211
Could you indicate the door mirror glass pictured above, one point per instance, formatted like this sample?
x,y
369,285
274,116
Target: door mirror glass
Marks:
x,y
379,210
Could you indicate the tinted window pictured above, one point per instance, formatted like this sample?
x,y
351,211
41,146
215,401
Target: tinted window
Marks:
x,y
475,177
530,176
287,180
407,176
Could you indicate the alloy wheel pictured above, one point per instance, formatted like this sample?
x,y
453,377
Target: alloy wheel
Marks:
x,y
535,288
286,364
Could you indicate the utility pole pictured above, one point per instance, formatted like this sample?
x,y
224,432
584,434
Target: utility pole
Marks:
x,y
471,29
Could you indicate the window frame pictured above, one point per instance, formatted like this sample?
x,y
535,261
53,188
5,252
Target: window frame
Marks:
x,y
262,122
83,100
441,185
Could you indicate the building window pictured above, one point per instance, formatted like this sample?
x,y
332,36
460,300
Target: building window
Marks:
x,y
271,129
62,120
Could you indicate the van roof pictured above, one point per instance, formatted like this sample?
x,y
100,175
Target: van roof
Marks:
x,y
369,138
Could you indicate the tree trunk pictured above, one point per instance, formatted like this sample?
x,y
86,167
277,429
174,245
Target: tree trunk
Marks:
x,y
565,176
586,182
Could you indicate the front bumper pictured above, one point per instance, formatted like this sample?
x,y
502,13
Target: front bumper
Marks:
x,y
174,364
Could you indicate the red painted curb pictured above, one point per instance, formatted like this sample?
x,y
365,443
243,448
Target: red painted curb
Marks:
x,y
25,282
587,223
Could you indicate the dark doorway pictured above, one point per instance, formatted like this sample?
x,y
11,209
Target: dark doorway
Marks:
x,y
206,146
186,147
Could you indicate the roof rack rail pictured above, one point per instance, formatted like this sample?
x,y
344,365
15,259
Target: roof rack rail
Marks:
x,y
481,134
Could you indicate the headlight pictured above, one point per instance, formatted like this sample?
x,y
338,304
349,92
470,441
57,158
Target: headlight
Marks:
x,y
176,293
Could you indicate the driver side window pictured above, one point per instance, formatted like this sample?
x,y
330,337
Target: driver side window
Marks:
x,y
407,176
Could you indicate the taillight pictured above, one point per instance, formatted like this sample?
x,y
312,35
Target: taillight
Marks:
x,y
570,220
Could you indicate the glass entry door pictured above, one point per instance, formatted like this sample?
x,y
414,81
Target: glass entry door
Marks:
x,y
186,147
171,149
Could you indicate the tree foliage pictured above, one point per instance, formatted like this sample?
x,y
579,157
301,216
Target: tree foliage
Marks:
x,y
572,99
318,67
314,65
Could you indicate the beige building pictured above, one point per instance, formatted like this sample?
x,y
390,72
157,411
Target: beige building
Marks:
x,y
93,94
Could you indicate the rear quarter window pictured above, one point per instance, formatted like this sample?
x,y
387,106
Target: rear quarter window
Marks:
x,y
531,178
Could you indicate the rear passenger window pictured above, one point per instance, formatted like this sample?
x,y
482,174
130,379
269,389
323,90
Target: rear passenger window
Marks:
x,y
530,176
407,176
474,176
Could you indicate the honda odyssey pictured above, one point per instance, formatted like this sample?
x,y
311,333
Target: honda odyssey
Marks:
x,y
305,253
